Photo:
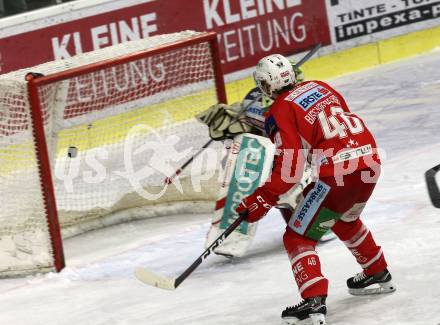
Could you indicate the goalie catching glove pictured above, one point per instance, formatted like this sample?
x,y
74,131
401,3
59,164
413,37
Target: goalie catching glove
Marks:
x,y
219,117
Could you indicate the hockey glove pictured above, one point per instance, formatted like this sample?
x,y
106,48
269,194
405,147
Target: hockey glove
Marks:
x,y
256,205
219,117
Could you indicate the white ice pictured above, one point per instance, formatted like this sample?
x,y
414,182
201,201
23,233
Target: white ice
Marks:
x,y
401,104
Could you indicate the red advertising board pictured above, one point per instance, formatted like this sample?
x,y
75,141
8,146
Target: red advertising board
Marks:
x,y
247,30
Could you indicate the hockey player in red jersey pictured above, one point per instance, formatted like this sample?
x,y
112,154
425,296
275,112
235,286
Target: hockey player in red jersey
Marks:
x,y
311,121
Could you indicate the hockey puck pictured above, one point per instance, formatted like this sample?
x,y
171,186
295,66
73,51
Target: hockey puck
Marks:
x,y
72,152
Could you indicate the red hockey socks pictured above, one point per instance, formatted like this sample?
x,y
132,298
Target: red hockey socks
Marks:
x,y
361,244
306,266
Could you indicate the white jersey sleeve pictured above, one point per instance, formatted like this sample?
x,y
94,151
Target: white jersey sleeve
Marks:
x,y
255,112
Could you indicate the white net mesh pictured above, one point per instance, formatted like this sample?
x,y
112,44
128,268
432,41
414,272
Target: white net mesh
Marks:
x,y
113,136
24,239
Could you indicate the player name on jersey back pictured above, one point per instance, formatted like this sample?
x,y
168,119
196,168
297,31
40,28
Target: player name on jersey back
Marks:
x,y
308,95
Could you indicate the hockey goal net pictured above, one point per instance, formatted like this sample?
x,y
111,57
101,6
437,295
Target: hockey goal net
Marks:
x,y
88,141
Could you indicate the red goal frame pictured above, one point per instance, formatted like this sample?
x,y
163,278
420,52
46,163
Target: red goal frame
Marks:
x,y
35,81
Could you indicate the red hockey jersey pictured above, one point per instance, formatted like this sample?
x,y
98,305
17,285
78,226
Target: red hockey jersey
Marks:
x,y
313,122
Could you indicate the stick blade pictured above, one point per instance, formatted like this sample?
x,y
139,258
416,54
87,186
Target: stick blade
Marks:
x,y
146,276
433,188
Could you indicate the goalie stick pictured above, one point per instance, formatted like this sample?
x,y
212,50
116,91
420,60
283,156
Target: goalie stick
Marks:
x,y
169,179
157,280
308,55
433,189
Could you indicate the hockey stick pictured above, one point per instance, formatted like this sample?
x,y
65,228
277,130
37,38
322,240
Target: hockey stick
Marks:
x,y
169,180
433,189
308,55
157,280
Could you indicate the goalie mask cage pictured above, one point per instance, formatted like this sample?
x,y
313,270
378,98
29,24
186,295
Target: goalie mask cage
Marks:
x,y
88,141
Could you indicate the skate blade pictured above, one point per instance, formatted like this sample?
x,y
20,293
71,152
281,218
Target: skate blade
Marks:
x,y
383,288
314,319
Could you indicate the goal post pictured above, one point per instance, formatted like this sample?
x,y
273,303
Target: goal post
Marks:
x,y
45,174
87,141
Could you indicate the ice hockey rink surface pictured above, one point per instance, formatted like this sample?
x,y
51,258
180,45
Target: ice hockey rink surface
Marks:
x,y
400,103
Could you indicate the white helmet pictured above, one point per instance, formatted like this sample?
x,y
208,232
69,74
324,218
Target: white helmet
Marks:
x,y
273,73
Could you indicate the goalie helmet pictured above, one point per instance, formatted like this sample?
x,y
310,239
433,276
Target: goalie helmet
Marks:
x,y
273,73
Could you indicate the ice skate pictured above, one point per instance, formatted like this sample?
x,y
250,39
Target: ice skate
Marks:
x,y
362,284
310,311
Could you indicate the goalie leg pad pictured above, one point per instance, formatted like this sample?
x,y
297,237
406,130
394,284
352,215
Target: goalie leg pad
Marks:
x,y
247,167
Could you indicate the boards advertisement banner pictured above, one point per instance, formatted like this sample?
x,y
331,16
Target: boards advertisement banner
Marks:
x,y
366,21
247,30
